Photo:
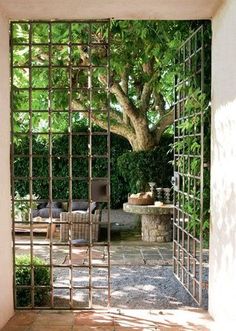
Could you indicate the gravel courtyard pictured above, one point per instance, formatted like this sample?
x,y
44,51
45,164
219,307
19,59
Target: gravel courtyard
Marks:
x,y
141,273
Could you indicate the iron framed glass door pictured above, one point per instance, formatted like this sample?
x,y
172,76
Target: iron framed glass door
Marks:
x,y
60,78
189,141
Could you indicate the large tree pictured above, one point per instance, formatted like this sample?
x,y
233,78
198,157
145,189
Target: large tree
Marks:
x,y
142,79
142,75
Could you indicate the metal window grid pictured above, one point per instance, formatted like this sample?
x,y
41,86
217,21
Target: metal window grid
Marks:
x,y
31,243
188,240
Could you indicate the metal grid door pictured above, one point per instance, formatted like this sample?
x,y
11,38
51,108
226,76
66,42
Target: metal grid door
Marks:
x,y
189,165
59,82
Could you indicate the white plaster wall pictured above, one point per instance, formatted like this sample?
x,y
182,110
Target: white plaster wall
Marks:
x,y
118,9
6,291
222,282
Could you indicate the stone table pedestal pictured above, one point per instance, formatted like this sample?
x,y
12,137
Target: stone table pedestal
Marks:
x,y
156,221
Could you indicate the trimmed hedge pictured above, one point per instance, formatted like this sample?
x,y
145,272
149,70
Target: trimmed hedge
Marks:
x,y
130,171
60,166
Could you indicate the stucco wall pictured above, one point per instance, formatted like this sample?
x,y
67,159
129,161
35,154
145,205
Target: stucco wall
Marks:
x,y
222,282
118,9
6,296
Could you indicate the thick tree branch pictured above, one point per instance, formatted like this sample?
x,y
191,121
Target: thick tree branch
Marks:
x,y
159,103
125,80
146,96
126,104
117,128
125,88
148,69
163,123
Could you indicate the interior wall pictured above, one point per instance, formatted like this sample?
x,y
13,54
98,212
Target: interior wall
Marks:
x,y
222,282
6,290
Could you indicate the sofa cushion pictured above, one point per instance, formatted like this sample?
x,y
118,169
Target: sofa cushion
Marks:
x,y
42,205
79,205
54,204
35,213
83,205
45,212
79,212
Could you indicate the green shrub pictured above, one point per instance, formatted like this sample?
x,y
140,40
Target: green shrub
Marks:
x,y
130,171
23,277
139,168
60,165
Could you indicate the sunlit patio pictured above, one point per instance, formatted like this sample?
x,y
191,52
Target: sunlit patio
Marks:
x,y
113,320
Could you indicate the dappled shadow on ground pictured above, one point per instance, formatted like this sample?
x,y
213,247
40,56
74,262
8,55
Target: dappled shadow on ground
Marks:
x,y
147,287
113,320
132,287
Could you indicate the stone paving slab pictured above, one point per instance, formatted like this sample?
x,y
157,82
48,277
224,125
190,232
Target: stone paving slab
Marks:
x,y
112,320
122,253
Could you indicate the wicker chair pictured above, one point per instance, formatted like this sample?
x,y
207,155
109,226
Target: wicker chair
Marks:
x,y
79,223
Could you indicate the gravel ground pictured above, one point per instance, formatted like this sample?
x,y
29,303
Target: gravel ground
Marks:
x,y
133,287
147,288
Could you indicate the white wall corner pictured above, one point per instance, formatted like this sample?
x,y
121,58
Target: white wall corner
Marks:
x,y
6,286
222,266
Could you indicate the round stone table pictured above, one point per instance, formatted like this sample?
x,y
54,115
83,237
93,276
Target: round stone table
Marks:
x,y
156,221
